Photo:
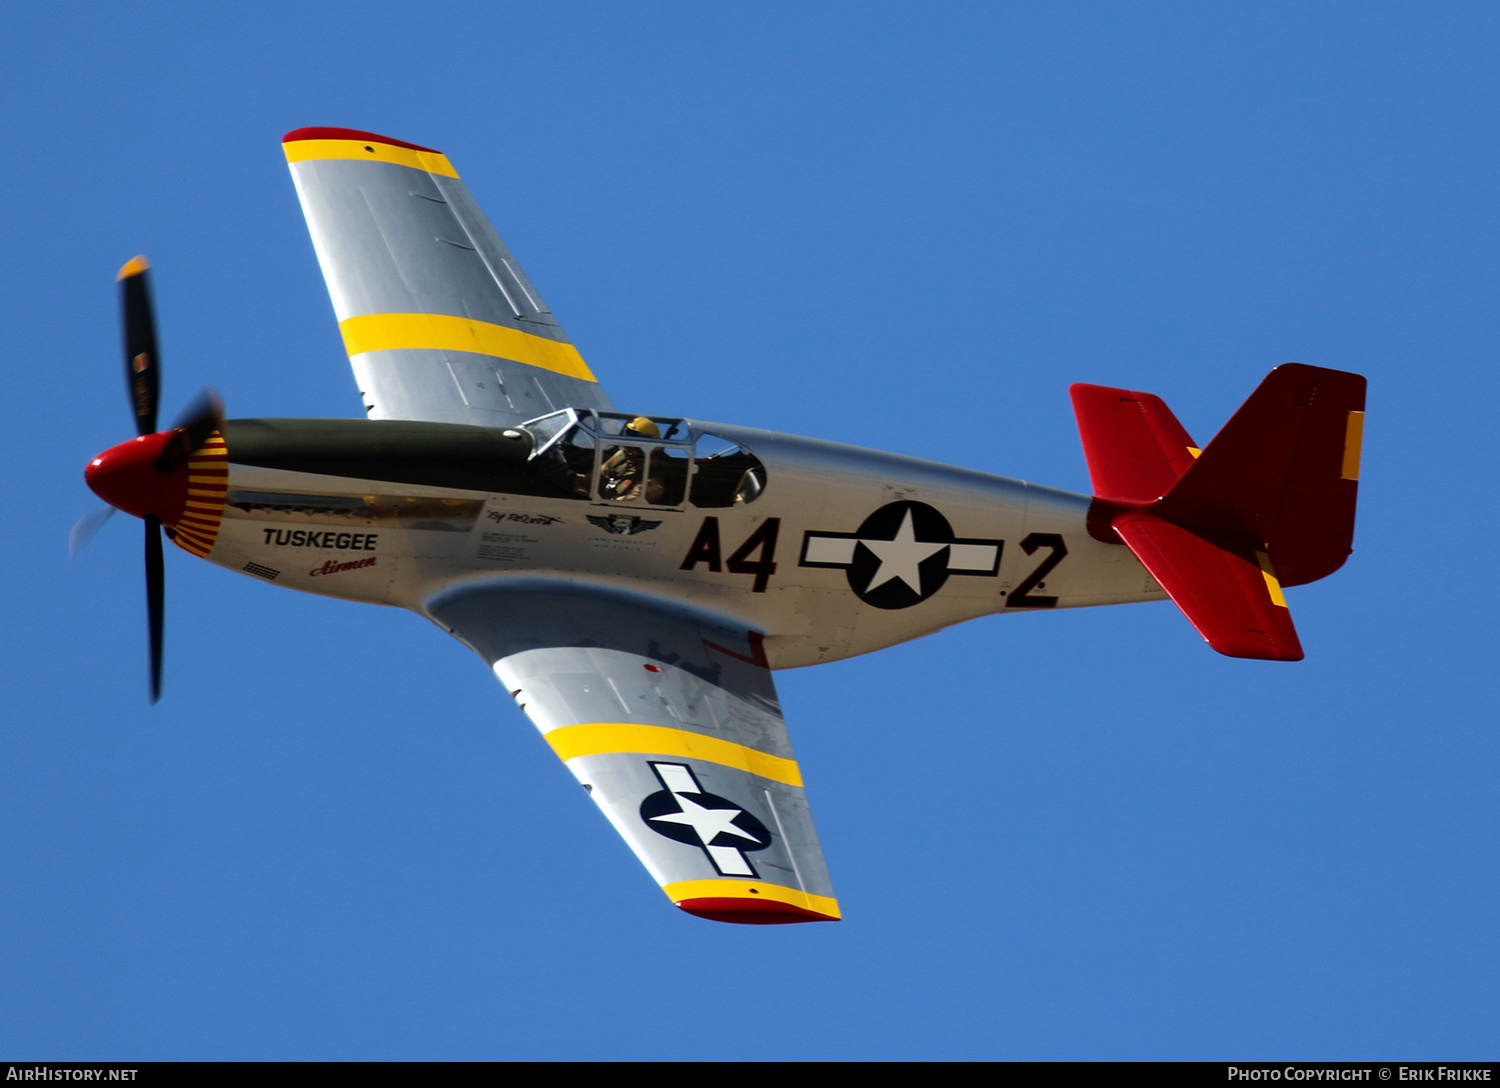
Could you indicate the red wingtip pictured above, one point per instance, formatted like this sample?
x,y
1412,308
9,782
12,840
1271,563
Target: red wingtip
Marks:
x,y
766,912
349,134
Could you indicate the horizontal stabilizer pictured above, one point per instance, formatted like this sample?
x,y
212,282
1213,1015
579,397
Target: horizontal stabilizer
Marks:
x,y
1135,447
1225,586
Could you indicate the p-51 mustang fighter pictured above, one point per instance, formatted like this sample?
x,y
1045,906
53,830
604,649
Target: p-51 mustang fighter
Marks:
x,y
633,580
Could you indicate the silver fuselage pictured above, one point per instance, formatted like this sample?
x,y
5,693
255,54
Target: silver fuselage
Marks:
x,y
800,583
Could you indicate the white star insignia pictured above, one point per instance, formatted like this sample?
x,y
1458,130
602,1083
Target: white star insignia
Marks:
x,y
707,823
902,557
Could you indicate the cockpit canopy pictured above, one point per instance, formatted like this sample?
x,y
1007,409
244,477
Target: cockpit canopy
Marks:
x,y
614,457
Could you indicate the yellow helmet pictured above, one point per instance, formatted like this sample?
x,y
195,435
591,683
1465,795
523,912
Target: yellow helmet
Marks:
x,y
643,426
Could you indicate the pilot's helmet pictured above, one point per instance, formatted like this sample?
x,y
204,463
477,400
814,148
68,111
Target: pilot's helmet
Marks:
x,y
642,426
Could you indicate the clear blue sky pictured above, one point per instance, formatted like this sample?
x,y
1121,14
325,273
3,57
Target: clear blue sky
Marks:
x,y
1077,835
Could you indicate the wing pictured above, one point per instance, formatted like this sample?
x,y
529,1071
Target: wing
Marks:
x,y
439,320
672,725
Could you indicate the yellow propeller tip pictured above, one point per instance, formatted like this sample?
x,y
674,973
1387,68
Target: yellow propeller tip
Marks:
x,y
133,267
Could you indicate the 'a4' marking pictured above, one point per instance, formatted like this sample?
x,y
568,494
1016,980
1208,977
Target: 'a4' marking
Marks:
x,y
706,549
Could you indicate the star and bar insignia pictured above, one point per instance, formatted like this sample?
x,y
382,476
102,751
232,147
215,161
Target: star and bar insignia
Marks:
x,y
901,555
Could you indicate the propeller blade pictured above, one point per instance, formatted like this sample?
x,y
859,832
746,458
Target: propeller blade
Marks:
x,y
195,425
87,526
201,417
155,599
138,325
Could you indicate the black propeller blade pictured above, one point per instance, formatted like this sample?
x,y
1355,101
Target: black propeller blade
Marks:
x,y
156,585
142,367
201,418
196,423
143,377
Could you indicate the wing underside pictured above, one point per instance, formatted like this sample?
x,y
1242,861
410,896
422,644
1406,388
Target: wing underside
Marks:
x,y
673,726
439,321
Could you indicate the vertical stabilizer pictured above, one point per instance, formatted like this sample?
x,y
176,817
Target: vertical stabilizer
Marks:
x,y
1285,468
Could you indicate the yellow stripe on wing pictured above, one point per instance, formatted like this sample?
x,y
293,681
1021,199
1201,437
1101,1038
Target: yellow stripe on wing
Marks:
x,y
434,162
443,332
750,890
609,738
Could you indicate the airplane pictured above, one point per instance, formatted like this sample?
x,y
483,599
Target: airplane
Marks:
x,y
635,580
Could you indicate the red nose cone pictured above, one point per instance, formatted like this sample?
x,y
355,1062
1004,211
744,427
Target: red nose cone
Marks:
x,y
126,477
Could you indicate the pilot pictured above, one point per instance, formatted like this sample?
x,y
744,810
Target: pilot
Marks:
x,y
642,426
622,476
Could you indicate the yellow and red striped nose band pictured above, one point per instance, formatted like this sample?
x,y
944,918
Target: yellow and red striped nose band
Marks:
x,y
207,485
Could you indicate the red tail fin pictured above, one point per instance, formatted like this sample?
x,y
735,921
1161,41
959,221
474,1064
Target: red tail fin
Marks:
x,y
1284,469
1272,494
